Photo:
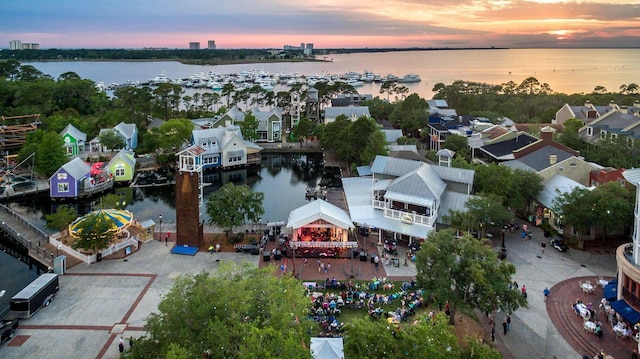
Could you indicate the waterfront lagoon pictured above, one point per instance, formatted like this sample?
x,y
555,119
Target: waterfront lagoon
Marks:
x,y
282,178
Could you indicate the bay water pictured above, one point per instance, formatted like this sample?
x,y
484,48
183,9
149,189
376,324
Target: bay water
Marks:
x,y
565,70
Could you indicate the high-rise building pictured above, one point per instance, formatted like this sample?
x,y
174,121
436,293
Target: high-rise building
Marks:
x,y
15,45
211,45
308,50
194,45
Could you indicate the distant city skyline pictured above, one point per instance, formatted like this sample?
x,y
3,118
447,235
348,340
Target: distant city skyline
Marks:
x,y
326,23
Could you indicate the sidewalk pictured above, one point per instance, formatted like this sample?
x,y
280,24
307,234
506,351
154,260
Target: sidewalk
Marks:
x,y
534,332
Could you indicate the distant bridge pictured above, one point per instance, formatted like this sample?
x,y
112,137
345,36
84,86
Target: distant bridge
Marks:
x,y
27,234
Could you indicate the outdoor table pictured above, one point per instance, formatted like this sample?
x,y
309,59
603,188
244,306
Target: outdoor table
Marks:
x,y
619,329
587,288
584,313
602,283
589,326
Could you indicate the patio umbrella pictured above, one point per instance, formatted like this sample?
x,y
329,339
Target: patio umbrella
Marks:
x,y
119,220
96,168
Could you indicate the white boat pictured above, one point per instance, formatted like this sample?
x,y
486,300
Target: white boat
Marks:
x,y
368,76
162,78
409,78
355,83
214,85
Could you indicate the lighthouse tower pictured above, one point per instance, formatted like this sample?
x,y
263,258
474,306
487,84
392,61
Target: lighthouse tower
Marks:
x,y
189,197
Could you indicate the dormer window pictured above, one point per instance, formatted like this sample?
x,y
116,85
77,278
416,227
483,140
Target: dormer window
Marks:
x,y
589,131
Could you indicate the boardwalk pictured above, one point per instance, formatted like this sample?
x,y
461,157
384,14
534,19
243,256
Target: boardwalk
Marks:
x,y
30,236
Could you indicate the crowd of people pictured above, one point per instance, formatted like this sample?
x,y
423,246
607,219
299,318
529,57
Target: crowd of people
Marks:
x,y
397,306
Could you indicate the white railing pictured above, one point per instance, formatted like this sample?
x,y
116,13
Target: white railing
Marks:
x,y
297,244
92,258
408,217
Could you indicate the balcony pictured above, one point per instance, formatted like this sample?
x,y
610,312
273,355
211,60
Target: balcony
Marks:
x,y
403,215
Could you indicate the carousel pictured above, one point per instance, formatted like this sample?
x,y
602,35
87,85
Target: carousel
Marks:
x,y
118,221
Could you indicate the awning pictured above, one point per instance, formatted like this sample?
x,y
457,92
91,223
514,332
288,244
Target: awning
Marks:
x,y
626,311
611,291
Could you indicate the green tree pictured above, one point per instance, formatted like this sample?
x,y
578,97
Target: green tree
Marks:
x,y
60,219
232,206
49,151
458,144
609,206
614,205
388,87
486,212
136,101
304,129
410,115
174,133
111,140
577,210
378,108
94,232
515,187
239,312
467,273
249,126
112,201
166,99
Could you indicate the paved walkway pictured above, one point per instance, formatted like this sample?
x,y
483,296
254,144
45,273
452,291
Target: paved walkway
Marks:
x,y
534,333
99,303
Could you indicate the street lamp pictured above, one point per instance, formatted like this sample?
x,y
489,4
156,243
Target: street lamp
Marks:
x,y
160,231
58,250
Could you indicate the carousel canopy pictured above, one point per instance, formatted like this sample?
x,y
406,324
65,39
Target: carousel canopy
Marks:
x,y
118,219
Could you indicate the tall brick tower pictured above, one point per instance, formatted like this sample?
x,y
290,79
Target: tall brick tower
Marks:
x,y
189,197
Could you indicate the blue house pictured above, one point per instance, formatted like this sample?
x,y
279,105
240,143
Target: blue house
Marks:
x,y
127,131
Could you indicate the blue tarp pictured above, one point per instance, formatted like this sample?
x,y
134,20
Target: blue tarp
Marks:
x,y
191,251
611,291
624,309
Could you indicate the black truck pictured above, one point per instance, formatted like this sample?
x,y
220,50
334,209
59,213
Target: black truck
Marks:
x,y
8,329
37,294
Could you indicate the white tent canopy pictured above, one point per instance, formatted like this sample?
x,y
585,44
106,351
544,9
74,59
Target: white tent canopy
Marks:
x,y
327,348
319,210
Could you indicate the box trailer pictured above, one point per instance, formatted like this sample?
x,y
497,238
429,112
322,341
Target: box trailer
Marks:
x,y
37,294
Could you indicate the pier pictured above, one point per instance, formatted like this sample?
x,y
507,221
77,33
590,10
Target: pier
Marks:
x,y
27,234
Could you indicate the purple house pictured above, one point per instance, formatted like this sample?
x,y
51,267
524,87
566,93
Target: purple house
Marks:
x,y
68,181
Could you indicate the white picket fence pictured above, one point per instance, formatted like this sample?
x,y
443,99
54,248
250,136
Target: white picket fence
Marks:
x,y
89,259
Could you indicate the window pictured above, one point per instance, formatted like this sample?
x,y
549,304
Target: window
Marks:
x,y
69,150
119,172
63,187
589,131
572,164
603,134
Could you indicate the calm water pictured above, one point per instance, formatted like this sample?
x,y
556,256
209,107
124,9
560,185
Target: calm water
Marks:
x,y
565,70
282,178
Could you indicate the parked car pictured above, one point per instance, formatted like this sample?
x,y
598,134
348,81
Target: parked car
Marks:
x,y
558,244
8,329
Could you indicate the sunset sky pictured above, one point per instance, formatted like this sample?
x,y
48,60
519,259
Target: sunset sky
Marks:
x,y
326,23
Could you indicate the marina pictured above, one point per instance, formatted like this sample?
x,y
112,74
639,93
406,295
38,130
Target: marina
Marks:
x,y
255,79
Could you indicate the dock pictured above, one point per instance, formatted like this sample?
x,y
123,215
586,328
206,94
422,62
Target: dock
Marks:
x,y
39,186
